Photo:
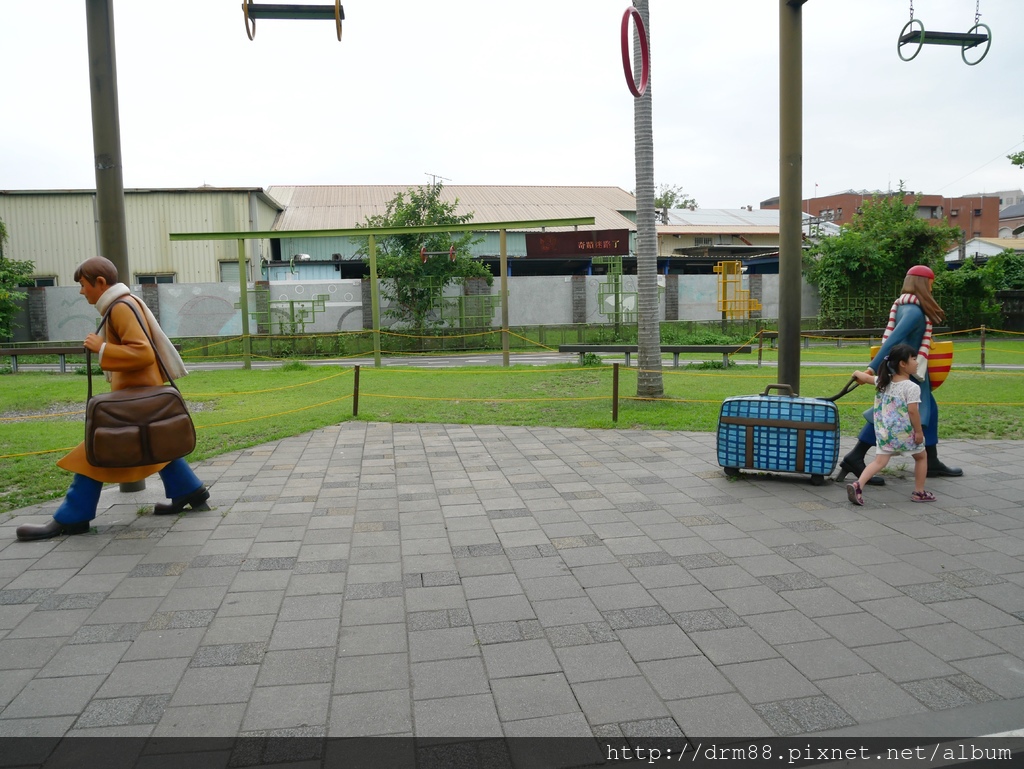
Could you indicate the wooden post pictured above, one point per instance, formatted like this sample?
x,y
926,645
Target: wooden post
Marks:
x,y
615,392
982,346
355,392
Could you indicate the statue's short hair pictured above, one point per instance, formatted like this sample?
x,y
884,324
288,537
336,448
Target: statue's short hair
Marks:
x,y
97,267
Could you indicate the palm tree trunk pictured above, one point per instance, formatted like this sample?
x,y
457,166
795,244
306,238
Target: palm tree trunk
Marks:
x,y
649,380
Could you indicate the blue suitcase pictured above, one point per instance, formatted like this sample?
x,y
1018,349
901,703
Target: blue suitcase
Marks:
x,y
779,433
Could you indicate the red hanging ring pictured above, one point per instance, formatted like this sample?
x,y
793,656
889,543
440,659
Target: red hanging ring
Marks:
x,y
645,54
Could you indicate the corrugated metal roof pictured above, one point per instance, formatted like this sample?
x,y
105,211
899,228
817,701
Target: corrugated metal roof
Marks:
x,y
344,206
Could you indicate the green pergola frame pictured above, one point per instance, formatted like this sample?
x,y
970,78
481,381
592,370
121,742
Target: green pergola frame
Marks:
x,y
372,233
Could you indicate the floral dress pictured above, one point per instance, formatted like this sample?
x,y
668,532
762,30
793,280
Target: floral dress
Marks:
x,y
894,432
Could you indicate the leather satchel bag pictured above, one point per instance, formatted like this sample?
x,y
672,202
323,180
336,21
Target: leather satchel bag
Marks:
x,y
137,426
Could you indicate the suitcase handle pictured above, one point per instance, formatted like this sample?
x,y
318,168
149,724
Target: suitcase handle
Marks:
x,y
850,386
788,390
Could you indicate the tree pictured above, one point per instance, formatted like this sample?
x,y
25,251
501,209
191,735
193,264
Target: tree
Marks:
x,y
672,196
415,288
858,271
13,275
1006,270
1017,159
649,381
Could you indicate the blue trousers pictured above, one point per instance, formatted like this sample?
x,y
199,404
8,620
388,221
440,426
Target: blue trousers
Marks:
x,y
84,493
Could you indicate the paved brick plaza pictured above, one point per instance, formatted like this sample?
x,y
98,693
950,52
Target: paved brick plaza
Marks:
x,y
447,580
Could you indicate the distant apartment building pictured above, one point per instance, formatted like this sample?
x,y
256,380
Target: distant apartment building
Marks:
x,y
977,216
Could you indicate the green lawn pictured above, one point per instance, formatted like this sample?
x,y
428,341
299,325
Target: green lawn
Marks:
x,y
40,414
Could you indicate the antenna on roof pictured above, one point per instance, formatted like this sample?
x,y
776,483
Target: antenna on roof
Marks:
x,y
435,177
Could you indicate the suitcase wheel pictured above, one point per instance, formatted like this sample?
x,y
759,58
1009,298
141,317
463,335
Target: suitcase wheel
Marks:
x,y
732,472
817,480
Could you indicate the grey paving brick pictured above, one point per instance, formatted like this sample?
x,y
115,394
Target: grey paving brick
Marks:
x,y
123,711
474,716
228,654
870,698
520,658
694,676
297,666
533,697
999,672
201,721
215,685
951,641
707,619
644,616
304,634
798,580
719,715
47,697
938,694
785,627
373,673
824,659
656,642
369,714
77,660
23,653
279,707
803,715
860,629
974,614
428,645
730,645
596,661
448,678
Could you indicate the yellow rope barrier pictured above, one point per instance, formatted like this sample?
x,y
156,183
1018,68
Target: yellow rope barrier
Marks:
x,y
279,414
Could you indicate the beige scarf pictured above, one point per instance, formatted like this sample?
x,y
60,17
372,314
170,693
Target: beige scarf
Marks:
x,y
172,362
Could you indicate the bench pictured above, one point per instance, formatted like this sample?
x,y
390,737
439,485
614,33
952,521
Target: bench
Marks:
x,y
60,352
629,349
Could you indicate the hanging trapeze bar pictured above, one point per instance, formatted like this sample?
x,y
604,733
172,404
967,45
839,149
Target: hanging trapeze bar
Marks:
x,y
914,32
252,11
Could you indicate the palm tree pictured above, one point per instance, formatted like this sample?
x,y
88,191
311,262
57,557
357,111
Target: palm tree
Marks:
x,y
649,381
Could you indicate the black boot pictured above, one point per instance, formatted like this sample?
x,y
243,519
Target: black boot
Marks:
x,y
29,532
853,463
935,467
193,500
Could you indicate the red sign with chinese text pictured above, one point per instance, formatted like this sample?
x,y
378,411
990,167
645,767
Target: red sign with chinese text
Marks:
x,y
576,244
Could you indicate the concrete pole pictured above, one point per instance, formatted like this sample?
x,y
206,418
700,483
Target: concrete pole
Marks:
x,y
106,135
790,176
106,145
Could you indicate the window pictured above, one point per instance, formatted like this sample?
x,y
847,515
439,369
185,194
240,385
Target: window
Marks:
x,y
158,278
977,212
48,280
229,271
703,240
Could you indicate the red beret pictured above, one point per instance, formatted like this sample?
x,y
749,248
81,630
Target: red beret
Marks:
x,y
922,270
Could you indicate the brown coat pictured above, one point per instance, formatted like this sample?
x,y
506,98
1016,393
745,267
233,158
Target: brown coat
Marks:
x,y
130,358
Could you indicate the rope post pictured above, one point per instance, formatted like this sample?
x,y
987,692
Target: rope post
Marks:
x,y
760,346
355,392
615,392
982,346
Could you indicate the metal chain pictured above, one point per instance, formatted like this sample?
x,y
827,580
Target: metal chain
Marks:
x,y
911,10
977,11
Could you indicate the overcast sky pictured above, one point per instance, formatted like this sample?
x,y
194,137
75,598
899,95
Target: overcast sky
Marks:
x,y
503,93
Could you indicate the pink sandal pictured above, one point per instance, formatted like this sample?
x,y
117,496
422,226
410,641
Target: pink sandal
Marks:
x,y
854,493
922,496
